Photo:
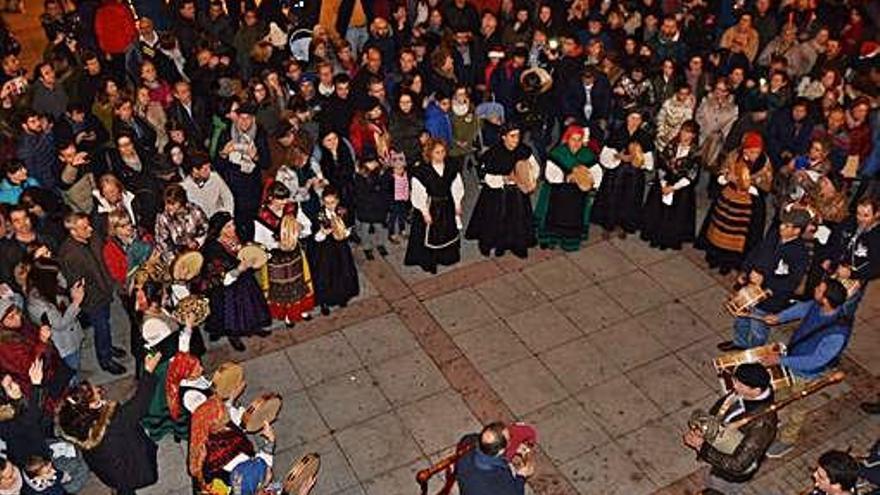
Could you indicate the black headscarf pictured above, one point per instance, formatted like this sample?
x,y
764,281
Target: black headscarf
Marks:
x,y
216,224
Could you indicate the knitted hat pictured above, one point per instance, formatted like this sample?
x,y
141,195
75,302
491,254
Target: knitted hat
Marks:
x,y
752,140
753,375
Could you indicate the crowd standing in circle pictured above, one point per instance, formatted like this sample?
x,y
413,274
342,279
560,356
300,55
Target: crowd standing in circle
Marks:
x,y
150,131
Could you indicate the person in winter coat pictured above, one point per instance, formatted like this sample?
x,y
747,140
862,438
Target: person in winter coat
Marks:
x,y
437,120
716,116
114,444
406,125
372,197
674,112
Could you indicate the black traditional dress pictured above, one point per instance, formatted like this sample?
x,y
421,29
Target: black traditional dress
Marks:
x,y
333,270
502,218
238,307
619,200
437,190
670,219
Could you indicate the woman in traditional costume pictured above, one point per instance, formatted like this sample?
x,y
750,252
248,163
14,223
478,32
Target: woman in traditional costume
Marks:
x,y
161,333
625,158
281,225
502,218
186,387
572,175
238,306
335,274
436,191
670,208
735,222
220,453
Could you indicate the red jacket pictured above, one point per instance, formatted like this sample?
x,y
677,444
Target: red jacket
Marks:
x,y
116,261
114,27
18,350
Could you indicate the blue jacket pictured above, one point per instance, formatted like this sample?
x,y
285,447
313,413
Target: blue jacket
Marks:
x,y
480,474
438,124
39,155
10,193
818,342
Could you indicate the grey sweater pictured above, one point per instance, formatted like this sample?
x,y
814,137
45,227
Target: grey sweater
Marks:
x,y
67,333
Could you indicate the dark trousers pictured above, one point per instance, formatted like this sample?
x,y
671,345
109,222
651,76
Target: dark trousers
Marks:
x,y
397,217
99,318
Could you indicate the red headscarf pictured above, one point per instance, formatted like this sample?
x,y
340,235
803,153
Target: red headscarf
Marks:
x,y
574,130
182,366
752,140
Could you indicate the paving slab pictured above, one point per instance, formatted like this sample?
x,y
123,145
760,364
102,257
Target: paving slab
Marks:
x,y
408,378
543,327
348,399
323,358
526,386
378,446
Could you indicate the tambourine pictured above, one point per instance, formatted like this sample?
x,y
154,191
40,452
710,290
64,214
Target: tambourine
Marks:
x,y
303,474
263,409
256,256
186,266
195,305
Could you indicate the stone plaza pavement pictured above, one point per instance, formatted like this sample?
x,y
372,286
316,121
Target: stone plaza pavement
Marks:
x,y
606,350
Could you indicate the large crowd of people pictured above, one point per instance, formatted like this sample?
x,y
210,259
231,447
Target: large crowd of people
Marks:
x,y
213,166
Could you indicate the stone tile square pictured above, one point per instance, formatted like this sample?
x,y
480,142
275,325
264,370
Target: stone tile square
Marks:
x,y
602,261
636,292
298,422
590,309
657,451
510,293
864,347
348,399
566,430
708,305
679,276
639,252
526,386
670,384
698,358
270,373
400,480
483,347
543,327
556,276
579,364
336,476
439,421
169,456
408,378
325,357
674,325
618,405
380,338
460,311
627,344
377,446
607,471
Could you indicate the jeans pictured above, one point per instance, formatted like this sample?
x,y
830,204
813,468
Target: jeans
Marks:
x,y
357,37
397,217
723,486
99,317
371,234
751,332
72,361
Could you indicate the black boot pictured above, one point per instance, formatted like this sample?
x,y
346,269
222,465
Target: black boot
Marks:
x,y
236,344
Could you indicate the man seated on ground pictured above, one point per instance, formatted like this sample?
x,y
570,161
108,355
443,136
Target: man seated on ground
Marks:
x,y
813,350
485,469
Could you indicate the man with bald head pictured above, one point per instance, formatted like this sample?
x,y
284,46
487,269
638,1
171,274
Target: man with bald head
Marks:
x,y
485,470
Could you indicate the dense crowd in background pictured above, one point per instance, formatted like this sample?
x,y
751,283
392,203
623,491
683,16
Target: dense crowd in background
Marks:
x,y
152,130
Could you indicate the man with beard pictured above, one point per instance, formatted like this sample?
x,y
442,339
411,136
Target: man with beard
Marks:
x,y
502,217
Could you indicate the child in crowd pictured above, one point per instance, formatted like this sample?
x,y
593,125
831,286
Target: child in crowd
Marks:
x,y
372,193
400,205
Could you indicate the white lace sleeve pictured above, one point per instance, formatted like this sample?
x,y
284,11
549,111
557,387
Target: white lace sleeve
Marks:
x,y
493,181
649,161
418,195
596,172
457,191
553,173
305,224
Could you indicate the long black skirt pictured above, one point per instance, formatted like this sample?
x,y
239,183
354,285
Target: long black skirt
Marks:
x,y
437,244
619,200
238,309
334,273
669,226
502,220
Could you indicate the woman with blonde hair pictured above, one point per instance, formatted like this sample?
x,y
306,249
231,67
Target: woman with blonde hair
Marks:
x,y
436,192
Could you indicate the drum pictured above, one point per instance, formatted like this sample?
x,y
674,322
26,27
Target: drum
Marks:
x,y
255,255
725,365
523,177
186,266
228,380
582,178
745,299
262,410
303,474
199,307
